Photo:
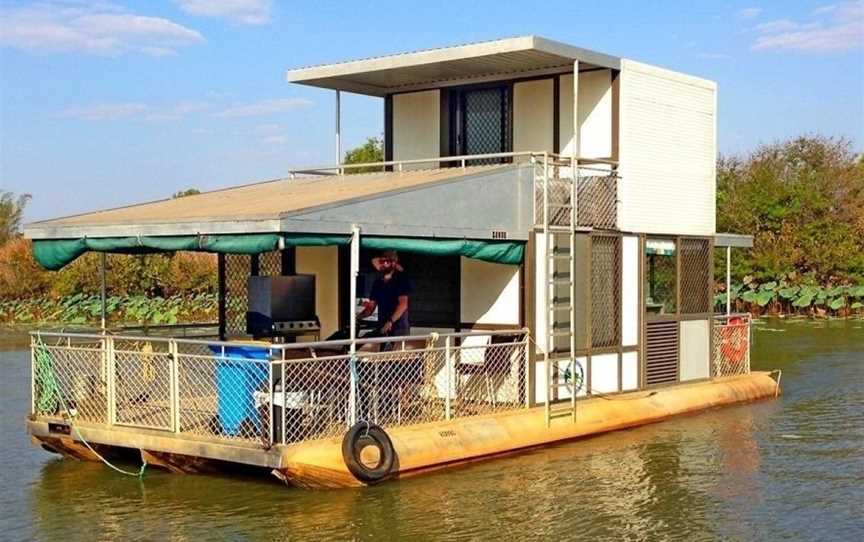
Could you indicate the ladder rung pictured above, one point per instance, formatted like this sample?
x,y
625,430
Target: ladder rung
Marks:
x,y
560,333
561,385
560,300
560,281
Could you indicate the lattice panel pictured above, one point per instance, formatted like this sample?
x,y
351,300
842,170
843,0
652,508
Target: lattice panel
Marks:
x,y
237,270
598,201
696,276
605,290
270,264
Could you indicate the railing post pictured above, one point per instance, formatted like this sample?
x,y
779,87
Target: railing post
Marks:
x,y
111,370
174,368
270,387
526,353
282,390
448,376
32,375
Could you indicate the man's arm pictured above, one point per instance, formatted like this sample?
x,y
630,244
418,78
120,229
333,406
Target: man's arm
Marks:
x,y
400,309
368,308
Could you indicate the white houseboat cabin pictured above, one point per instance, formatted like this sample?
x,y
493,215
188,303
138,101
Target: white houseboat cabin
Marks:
x,y
554,210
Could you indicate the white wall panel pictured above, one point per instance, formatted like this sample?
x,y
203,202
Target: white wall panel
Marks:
x,y
595,114
416,126
323,262
489,292
695,355
630,371
604,373
667,151
630,290
533,116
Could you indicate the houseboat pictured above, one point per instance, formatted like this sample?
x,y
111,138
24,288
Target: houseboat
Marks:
x,y
554,209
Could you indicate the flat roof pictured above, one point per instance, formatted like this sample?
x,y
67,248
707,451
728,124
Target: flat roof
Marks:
x,y
447,66
254,208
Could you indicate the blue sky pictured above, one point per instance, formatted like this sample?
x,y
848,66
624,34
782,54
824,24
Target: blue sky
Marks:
x,y
107,103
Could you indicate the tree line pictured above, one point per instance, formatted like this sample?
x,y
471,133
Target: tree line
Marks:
x,y
801,199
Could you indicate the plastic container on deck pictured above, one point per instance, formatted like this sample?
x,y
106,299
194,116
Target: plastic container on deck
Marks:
x,y
239,374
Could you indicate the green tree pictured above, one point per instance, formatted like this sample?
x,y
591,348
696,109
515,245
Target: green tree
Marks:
x,y
369,152
803,201
11,214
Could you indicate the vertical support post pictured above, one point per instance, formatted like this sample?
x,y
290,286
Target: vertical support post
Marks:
x,y
352,319
575,147
339,130
220,266
448,376
282,402
728,281
549,291
270,388
526,352
102,299
32,375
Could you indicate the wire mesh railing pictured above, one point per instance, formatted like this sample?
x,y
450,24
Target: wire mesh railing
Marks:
x,y
596,197
731,344
261,394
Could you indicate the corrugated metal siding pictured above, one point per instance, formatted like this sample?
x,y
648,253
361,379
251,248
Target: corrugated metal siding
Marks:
x,y
667,152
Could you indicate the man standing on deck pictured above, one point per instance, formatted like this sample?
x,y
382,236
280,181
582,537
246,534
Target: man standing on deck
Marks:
x,y
390,294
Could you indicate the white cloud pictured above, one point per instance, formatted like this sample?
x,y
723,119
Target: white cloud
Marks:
x,y
264,107
240,11
844,31
132,111
821,10
102,29
750,13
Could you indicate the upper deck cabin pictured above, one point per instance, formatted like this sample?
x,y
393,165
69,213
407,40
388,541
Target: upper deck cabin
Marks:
x,y
656,128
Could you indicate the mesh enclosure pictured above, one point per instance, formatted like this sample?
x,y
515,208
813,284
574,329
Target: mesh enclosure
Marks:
x,y
270,264
71,379
142,380
696,276
237,270
605,290
731,340
598,201
214,391
597,197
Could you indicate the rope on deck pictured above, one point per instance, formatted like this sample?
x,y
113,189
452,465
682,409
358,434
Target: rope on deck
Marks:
x,y
51,395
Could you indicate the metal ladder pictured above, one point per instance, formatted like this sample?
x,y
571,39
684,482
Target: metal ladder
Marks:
x,y
560,270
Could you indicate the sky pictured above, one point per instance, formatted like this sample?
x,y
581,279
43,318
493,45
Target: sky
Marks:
x,y
116,102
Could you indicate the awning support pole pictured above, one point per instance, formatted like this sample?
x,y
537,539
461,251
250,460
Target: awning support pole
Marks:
x,y
728,281
339,131
103,301
352,319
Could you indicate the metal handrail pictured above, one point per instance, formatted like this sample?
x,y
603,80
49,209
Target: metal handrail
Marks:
x,y
463,159
284,346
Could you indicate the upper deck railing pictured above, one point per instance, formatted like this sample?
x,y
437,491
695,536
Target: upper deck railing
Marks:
x,y
266,394
597,182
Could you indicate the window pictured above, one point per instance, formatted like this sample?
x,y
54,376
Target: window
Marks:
x,y
661,295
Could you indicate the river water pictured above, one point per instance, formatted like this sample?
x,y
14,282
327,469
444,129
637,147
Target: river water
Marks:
x,y
790,469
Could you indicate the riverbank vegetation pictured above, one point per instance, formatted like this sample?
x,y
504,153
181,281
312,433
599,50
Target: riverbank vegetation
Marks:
x,y
802,200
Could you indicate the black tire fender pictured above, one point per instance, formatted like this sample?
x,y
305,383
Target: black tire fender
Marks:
x,y
358,437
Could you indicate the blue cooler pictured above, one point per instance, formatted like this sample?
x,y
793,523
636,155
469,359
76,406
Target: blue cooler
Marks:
x,y
238,376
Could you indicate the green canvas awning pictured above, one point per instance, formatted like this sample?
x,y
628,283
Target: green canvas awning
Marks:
x,y
54,254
